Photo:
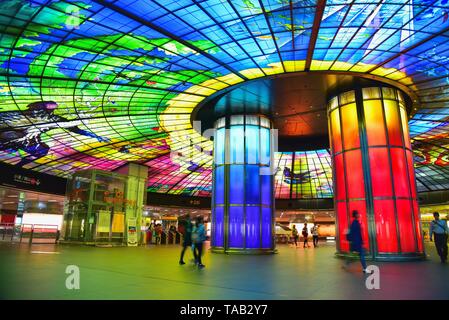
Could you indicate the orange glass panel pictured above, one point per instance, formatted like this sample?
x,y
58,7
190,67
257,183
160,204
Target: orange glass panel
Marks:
x,y
380,172
386,235
336,130
354,175
406,230
393,122
374,121
350,126
411,171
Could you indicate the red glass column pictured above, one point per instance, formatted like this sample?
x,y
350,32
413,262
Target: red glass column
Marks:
x,y
373,172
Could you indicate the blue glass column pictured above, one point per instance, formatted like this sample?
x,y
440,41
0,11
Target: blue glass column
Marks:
x,y
243,202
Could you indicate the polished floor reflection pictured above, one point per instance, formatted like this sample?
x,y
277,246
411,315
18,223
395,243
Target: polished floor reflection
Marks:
x,y
38,272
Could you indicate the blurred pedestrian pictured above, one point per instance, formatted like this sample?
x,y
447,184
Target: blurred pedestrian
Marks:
x,y
305,234
315,234
198,238
439,231
356,240
187,236
295,235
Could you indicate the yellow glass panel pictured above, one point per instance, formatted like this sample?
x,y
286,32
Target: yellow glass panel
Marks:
x,y
371,93
404,120
350,126
374,122
320,65
393,122
389,93
336,130
333,103
347,97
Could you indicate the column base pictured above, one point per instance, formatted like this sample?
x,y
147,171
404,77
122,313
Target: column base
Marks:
x,y
393,257
256,251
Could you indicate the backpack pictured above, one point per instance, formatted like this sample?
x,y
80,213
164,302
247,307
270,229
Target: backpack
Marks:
x,y
348,235
195,235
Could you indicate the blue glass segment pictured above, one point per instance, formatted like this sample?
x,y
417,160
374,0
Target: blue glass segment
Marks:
x,y
218,227
236,227
267,228
253,191
219,190
253,215
236,184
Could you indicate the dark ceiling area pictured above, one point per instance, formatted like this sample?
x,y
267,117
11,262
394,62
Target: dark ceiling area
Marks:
x,y
295,103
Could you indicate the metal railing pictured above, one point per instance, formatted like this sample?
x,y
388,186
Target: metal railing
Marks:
x,y
18,232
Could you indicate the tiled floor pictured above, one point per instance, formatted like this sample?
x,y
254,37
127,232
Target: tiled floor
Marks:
x,y
38,272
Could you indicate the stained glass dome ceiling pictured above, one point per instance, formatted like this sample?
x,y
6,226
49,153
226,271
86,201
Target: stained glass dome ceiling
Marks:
x,y
96,84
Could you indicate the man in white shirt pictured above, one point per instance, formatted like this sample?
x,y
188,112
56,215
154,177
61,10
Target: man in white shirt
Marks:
x,y
439,229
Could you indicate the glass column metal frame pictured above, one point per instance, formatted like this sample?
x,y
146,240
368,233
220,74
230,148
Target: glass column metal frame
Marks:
x,y
373,172
243,195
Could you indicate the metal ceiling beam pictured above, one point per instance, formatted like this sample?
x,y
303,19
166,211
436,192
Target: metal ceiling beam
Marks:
x,y
166,33
321,4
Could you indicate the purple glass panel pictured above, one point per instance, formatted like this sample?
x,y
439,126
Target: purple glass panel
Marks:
x,y
217,239
253,227
266,228
236,227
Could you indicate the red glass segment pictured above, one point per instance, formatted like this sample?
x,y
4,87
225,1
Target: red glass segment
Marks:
x,y
360,206
343,226
354,176
340,192
386,235
418,230
400,177
411,171
380,172
406,230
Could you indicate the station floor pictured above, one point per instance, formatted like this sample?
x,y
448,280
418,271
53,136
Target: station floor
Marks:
x,y
38,272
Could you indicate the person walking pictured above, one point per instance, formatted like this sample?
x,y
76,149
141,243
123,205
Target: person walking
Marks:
x,y
315,234
305,234
295,235
198,238
187,237
356,240
439,231
158,233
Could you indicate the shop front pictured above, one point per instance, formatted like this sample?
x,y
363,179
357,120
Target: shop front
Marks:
x,y
28,214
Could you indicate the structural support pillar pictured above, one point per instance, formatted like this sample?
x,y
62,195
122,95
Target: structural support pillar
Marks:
x,y
373,172
243,198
